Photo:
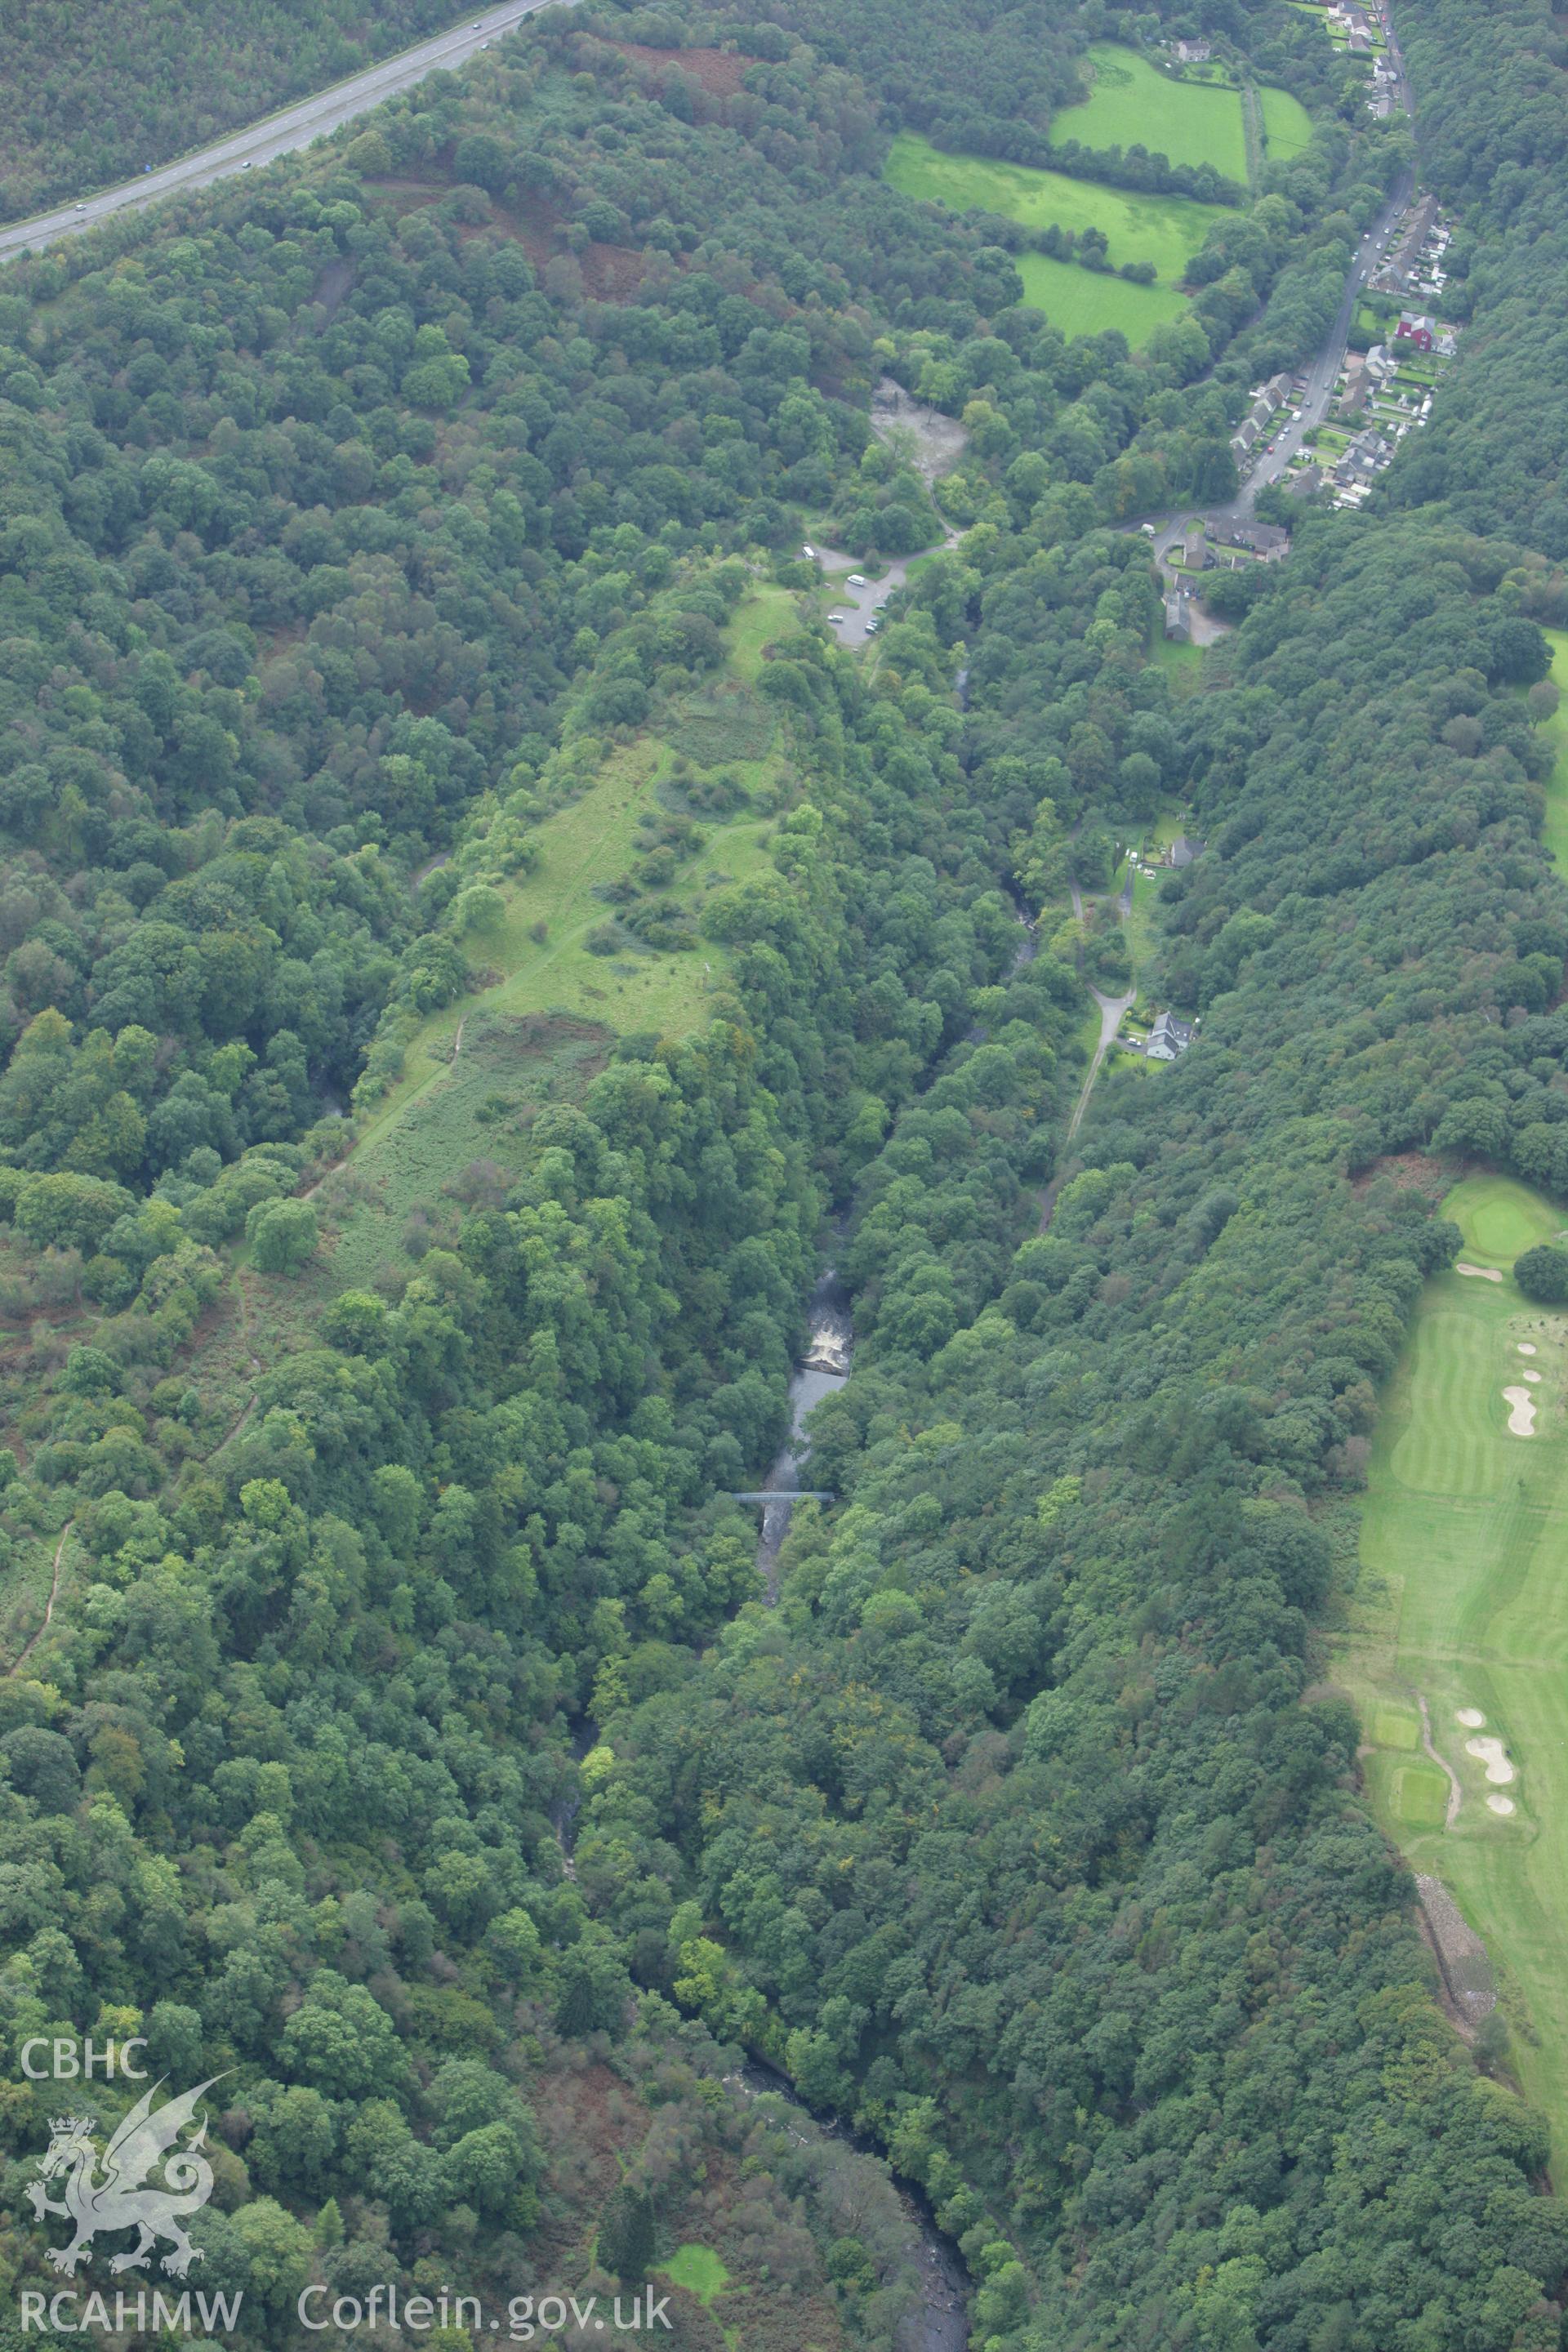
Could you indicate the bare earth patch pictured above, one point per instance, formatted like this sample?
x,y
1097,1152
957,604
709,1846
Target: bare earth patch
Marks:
x,y
1461,1954
717,70
1410,1171
939,441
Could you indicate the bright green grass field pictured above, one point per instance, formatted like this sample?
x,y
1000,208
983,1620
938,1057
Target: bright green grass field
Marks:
x,y
1131,104
1556,733
1088,302
1286,125
1165,230
1464,1602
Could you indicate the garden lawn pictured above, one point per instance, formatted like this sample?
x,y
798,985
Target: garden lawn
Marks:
x,y
1132,104
1463,1602
1165,230
1180,657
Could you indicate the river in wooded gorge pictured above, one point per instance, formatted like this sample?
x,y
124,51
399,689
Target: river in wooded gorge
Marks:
x,y
824,1368
938,2321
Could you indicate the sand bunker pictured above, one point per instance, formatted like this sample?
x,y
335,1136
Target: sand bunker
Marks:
x,y
1533,1378
1489,1752
1482,1273
1501,1804
1471,1718
1528,1348
1522,1411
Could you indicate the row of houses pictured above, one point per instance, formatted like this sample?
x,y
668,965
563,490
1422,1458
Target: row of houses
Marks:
x,y
1265,407
1372,393
1384,94
1416,263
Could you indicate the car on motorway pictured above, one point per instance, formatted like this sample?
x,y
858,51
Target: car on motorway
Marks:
x,y
81,208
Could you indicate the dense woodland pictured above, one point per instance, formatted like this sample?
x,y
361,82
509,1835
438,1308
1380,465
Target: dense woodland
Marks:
x,y
352,519
97,96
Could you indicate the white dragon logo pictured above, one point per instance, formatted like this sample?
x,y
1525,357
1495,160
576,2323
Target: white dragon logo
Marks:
x,y
117,2198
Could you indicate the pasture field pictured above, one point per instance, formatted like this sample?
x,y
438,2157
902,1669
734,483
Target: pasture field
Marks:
x,y
1286,125
1087,301
1165,230
1463,1603
1132,104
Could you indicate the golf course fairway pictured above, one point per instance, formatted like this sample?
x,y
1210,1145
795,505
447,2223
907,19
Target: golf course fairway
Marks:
x,y
1463,1605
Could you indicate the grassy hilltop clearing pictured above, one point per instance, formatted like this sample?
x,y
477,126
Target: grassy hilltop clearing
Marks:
x,y
549,1000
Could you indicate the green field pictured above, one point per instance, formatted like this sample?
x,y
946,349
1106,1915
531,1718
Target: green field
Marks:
x,y
1556,733
1286,125
1087,302
1132,104
1463,1603
1165,230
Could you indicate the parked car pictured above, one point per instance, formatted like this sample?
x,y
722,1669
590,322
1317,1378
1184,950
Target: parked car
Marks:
x,y
856,580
